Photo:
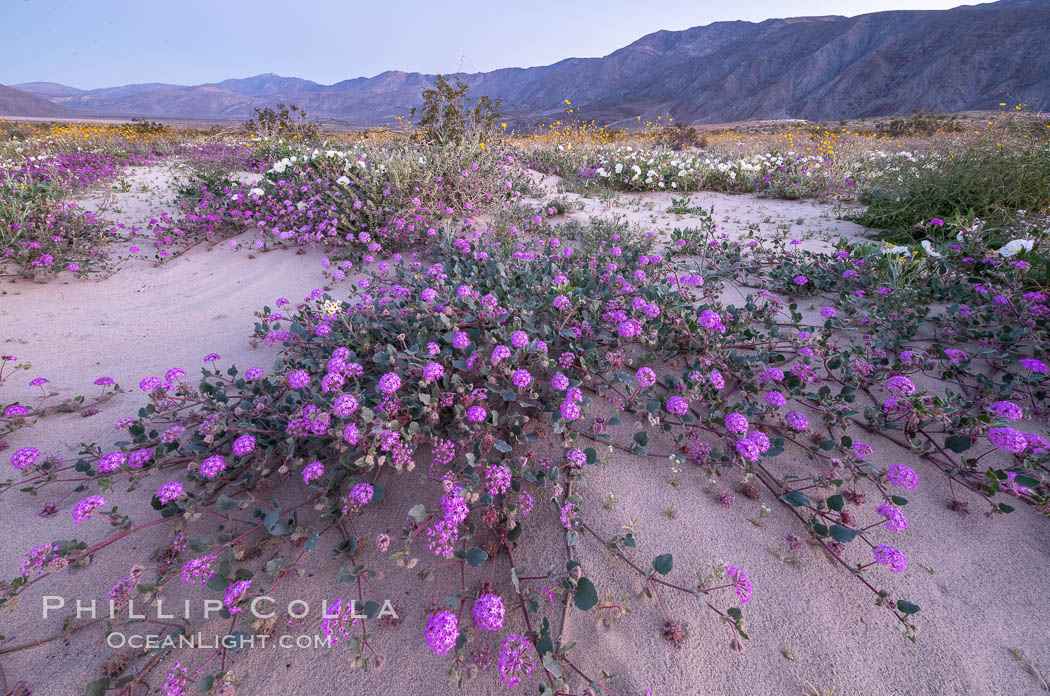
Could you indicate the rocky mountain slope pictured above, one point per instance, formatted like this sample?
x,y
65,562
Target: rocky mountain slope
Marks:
x,y
884,63
14,102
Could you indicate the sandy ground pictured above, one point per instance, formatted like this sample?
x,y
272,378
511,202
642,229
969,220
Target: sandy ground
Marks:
x,y
982,583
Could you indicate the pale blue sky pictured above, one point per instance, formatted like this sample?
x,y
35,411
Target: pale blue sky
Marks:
x,y
104,43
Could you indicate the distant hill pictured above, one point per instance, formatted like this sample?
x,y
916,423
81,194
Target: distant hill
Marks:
x,y
813,68
14,102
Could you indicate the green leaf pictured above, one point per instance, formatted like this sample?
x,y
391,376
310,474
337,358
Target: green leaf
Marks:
x,y
515,534
201,542
586,596
796,499
642,437
476,556
502,446
417,511
958,443
907,607
1026,481
97,687
280,529
218,583
663,563
204,684
241,639
271,519
836,502
843,534
545,644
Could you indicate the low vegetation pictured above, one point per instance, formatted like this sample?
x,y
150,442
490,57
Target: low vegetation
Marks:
x,y
484,357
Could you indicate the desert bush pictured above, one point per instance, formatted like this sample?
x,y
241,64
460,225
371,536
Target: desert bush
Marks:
x,y
141,125
918,124
441,375
359,201
40,233
52,238
678,136
774,173
981,179
282,121
447,115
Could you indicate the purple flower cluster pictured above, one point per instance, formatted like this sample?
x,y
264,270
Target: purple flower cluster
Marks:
x,y
213,466
515,661
172,490
895,519
1007,410
389,383
432,372
736,423
741,583
488,612
234,594
198,570
359,496
1008,440
312,472
576,458
677,405
900,385
796,421
25,457
243,445
902,476
521,379
83,509
441,632
889,556
497,479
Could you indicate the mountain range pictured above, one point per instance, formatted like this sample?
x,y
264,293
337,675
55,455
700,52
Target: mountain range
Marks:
x,y
813,68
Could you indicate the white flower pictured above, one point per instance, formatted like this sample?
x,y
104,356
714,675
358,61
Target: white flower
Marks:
x,y
895,250
257,192
342,180
1014,247
928,247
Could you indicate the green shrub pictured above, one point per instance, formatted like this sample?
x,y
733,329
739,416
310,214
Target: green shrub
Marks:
x,y
982,179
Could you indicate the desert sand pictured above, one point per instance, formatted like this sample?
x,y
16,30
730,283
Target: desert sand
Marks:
x,y
981,582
